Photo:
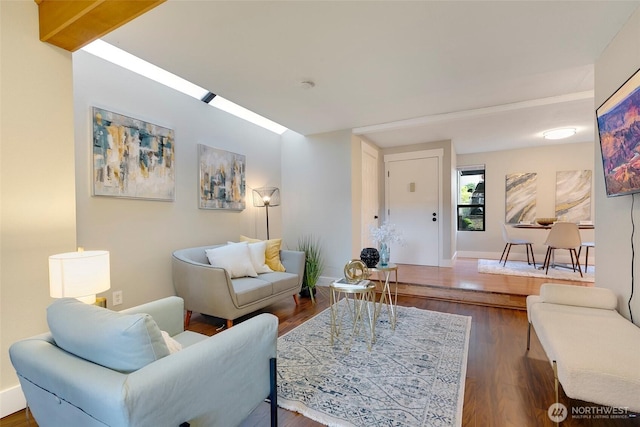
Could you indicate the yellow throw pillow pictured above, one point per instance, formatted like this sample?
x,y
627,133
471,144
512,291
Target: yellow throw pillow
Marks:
x,y
272,254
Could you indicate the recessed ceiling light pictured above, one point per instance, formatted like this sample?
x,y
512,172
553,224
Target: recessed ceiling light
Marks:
x,y
559,133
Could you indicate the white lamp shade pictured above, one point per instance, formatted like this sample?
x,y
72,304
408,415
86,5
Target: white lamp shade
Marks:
x,y
79,274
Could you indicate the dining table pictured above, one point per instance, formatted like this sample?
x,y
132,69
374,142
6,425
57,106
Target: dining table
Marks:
x,y
548,227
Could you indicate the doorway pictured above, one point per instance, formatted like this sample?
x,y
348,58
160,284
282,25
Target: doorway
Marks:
x,y
413,205
370,202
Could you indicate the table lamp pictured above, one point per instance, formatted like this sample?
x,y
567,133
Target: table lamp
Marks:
x,y
265,197
79,275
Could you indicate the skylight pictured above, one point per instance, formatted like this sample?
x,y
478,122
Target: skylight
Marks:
x,y
131,62
243,113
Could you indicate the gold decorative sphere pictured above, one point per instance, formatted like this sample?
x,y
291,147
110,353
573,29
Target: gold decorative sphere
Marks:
x,y
356,270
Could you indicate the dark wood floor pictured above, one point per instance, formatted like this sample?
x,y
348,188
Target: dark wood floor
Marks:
x,y
505,384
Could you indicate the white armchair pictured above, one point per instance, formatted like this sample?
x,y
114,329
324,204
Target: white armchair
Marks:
x,y
212,381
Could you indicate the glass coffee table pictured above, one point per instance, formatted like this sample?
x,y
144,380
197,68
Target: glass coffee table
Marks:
x,y
358,300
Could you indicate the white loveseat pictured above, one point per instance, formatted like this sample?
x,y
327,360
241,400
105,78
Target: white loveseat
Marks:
x,y
595,352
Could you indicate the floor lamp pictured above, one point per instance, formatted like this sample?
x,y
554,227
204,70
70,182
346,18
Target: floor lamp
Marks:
x,y
266,197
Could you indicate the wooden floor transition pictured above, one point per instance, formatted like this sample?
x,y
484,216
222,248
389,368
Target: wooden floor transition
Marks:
x,y
505,384
463,283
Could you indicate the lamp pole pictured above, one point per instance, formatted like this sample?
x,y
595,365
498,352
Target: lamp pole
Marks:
x,y
266,200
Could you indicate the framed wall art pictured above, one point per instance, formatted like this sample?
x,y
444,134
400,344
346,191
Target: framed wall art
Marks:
x,y
132,158
520,197
573,195
221,179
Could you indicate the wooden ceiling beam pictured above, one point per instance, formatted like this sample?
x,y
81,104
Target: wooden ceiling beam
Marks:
x,y
72,24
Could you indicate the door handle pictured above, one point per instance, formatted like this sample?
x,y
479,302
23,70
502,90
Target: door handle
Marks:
x,y
434,219
375,217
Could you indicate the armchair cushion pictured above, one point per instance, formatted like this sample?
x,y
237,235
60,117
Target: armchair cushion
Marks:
x,y
122,342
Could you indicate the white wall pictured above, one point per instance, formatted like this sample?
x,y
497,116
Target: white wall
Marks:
x,y
37,213
613,232
317,193
545,161
141,234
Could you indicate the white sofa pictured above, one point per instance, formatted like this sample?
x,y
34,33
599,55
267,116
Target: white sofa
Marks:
x,y
595,352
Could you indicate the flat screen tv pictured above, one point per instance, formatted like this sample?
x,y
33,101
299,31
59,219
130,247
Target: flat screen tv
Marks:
x,y
619,131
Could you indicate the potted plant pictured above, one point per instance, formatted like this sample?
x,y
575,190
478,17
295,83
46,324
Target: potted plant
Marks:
x,y
314,264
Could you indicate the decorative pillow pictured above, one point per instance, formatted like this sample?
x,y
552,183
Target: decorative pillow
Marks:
x,y
257,251
173,345
272,253
122,342
234,258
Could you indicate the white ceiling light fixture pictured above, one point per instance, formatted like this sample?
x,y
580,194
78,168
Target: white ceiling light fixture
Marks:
x,y
131,62
559,133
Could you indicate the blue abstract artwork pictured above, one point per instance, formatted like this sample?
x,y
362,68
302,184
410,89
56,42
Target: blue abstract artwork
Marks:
x,y
132,158
222,179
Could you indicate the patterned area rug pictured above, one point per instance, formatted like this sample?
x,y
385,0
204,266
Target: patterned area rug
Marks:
x,y
413,376
521,268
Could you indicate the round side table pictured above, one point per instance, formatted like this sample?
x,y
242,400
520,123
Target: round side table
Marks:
x,y
358,299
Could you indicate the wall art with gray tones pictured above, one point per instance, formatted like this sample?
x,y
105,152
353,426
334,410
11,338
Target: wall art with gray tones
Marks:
x,y
520,197
573,195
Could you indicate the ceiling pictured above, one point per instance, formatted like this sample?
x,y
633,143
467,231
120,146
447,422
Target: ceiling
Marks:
x,y
487,75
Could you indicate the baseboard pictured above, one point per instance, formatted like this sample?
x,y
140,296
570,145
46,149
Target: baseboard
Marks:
x,y
561,256
11,400
485,255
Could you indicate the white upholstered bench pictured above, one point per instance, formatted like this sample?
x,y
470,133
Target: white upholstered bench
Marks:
x,y
594,351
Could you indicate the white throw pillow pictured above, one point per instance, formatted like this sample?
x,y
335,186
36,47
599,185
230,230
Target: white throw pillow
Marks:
x,y
258,259
173,345
235,258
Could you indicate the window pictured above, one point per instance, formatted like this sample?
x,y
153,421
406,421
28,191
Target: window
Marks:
x,y
471,209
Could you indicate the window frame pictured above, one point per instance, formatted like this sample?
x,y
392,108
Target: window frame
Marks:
x,y
461,206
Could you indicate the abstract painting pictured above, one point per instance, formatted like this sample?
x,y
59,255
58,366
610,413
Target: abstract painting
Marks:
x,y
573,195
132,158
520,197
222,179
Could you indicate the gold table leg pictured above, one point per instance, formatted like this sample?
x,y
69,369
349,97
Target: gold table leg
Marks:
x,y
358,305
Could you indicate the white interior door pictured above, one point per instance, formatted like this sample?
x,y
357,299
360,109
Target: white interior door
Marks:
x,y
369,213
413,206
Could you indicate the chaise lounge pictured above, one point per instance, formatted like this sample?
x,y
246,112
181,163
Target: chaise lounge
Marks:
x,y
593,349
